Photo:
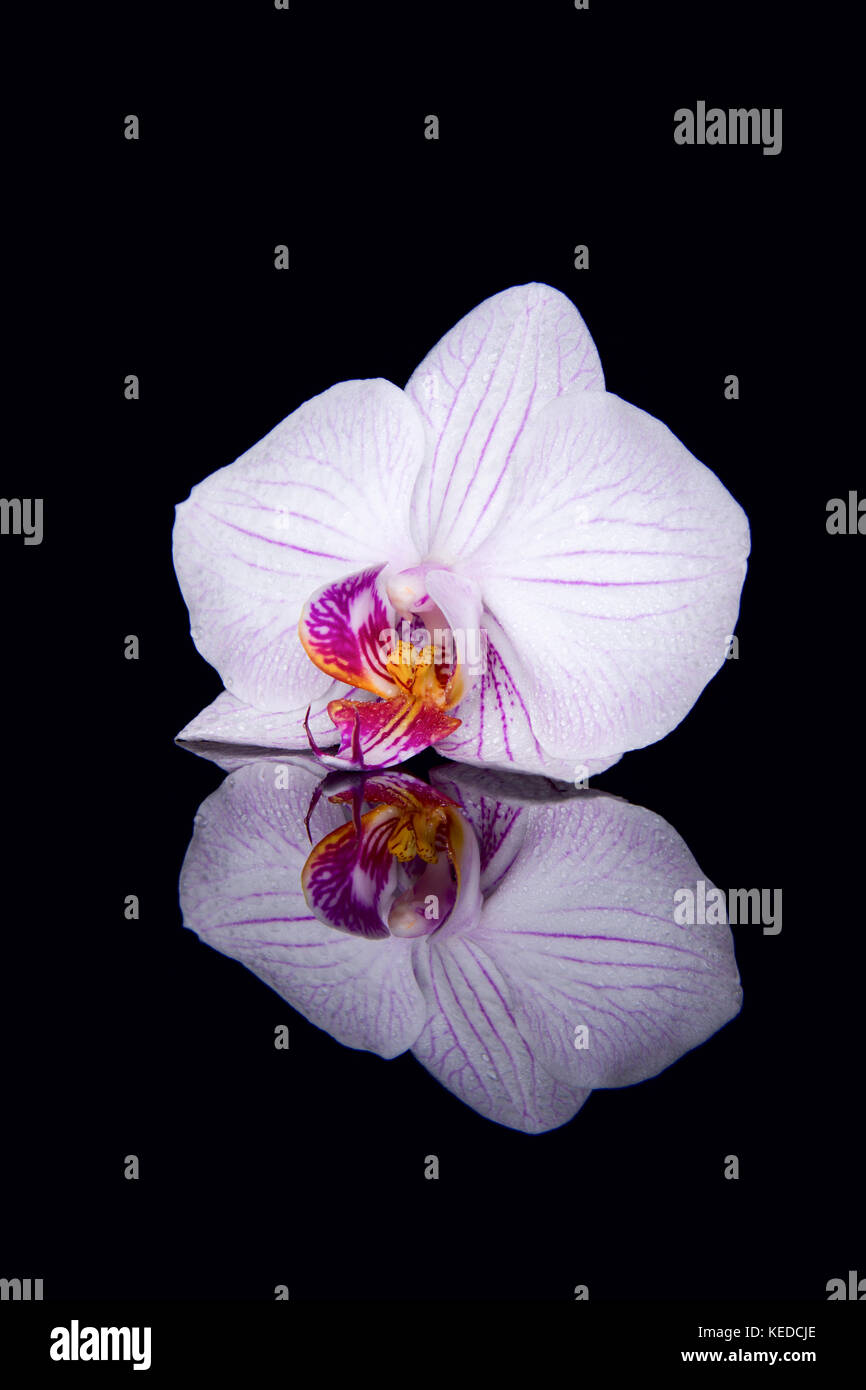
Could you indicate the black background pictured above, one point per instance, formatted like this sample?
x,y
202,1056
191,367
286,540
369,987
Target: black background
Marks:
x,y
306,127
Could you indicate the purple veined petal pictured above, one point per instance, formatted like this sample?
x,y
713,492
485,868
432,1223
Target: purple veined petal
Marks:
x,y
601,949
496,727
241,893
615,578
345,627
327,493
477,391
230,721
471,1042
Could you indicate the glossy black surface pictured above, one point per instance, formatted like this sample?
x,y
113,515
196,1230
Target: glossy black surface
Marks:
x,y
306,1168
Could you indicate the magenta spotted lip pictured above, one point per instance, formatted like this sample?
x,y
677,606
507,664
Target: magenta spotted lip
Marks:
x,y
505,494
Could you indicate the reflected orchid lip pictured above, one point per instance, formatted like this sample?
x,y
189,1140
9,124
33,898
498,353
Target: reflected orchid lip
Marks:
x,y
347,876
350,881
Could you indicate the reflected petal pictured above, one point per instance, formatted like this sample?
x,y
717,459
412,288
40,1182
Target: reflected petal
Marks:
x,y
240,891
558,967
472,1042
599,947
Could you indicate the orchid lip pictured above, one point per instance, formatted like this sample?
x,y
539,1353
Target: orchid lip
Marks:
x,y
397,869
420,671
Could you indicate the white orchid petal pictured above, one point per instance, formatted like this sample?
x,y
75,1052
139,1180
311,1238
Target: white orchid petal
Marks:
x,y
228,720
477,391
496,727
614,579
472,1044
325,494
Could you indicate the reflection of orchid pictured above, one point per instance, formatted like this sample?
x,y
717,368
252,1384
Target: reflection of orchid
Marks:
x,y
581,568
554,966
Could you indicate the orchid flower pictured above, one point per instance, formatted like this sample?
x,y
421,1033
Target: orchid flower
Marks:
x,y
551,963
504,561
